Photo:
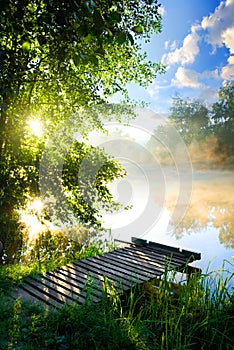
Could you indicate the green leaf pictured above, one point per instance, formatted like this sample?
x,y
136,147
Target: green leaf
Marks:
x,y
138,29
89,38
76,60
26,46
115,17
121,38
93,59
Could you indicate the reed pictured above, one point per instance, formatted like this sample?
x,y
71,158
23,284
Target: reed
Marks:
x,y
197,314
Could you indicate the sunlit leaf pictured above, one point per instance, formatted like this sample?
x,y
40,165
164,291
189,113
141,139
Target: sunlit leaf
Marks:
x,y
26,46
138,29
89,38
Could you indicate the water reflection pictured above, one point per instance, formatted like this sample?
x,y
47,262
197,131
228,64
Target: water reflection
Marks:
x,y
212,205
208,226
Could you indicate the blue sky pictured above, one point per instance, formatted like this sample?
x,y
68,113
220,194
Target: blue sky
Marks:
x,y
197,45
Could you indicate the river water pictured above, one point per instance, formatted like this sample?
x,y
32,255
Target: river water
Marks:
x,y
193,210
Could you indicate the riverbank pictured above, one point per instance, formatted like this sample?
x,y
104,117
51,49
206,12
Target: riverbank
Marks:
x,y
196,315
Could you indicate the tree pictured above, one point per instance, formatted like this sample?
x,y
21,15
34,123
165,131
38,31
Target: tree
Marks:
x,y
223,119
78,187
56,59
190,118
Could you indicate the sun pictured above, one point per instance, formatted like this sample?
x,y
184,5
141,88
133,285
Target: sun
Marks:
x,y
36,127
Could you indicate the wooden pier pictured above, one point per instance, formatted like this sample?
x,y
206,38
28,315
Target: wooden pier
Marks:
x,y
125,267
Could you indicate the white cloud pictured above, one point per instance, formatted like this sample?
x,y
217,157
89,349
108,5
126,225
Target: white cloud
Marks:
x,y
186,78
209,74
220,26
228,38
166,44
154,88
192,79
187,52
220,31
231,60
227,72
170,46
173,45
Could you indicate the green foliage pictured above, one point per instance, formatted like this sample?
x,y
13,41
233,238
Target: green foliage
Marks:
x,y
56,59
51,246
157,315
86,172
190,118
50,250
223,118
207,133
11,234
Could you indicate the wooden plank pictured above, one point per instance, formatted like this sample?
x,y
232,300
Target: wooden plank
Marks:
x,y
94,286
74,280
173,258
192,255
55,291
153,266
122,267
120,278
73,289
41,294
23,295
130,263
164,247
175,255
154,255
146,256
119,285
186,253
80,274
139,241
125,274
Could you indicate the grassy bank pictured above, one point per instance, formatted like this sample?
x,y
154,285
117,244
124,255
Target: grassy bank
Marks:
x,y
198,315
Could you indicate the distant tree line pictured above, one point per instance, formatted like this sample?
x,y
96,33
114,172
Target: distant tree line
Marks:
x,y
208,133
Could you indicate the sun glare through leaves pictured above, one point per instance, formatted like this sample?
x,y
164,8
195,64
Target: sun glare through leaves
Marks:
x,y
31,217
35,127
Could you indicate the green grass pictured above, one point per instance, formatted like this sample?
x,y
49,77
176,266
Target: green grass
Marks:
x,y
50,251
157,315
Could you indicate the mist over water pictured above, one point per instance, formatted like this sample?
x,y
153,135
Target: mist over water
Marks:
x,y
207,225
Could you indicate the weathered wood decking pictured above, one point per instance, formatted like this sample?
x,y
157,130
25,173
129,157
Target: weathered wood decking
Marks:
x,y
122,269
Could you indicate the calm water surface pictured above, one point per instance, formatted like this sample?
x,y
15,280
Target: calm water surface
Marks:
x,y
194,213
